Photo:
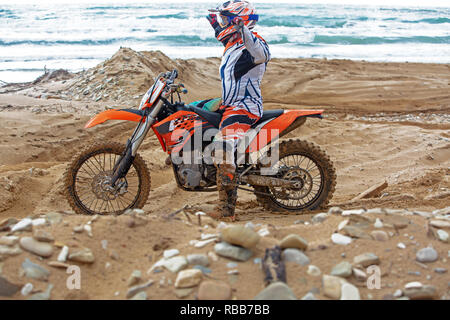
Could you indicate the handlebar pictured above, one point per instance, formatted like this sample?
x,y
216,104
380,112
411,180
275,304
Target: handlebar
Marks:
x,y
173,75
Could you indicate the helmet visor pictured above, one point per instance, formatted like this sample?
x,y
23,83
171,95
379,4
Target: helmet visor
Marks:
x,y
223,20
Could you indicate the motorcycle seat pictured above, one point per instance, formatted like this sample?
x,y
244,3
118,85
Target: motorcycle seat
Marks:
x,y
214,118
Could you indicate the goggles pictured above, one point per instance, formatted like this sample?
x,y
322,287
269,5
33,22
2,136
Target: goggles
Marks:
x,y
225,20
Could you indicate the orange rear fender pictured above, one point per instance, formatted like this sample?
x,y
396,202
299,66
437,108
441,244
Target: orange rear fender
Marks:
x,y
115,114
274,128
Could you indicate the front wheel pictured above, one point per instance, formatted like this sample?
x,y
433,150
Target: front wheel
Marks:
x,y
87,187
312,170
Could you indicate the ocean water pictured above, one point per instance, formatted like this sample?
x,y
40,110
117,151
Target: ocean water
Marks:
x,y
79,36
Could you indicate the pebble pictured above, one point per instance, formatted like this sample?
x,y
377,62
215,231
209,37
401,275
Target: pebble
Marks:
x,y
171,253
401,245
398,293
85,256
183,293
276,291
427,255
229,251
378,224
140,296
9,251
78,229
207,236
442,211
314,270
241,236
134,278
136,289
335,210
343,269
214,290
320,217
340,239
42,249
233,272
175,264
366,259
26,289
54,217
342,224
359,274
88,229
379,235
355,232
188,278
6,224
353,212
42,295
421,293
332,286
309,296
232,265
413,285
440,270
349,292
293,241
213,256
295,255
442,235
42,235
35,271
198,259
201,244
38,222
203,269
24,224
440,224
9,240
104,244
7,289
57,264
62,256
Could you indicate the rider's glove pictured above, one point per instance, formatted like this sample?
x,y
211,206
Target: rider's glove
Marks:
x,y
238,23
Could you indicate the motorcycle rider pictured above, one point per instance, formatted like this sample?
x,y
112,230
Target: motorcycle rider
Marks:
x,y
243,65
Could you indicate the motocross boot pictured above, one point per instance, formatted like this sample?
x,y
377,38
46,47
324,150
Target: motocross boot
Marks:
x,y
227,188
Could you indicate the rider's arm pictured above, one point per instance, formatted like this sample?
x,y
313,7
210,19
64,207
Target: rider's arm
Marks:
x,y
257,47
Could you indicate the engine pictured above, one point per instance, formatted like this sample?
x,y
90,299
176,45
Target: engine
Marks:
x,y
192,176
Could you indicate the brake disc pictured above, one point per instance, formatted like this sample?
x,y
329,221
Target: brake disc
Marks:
x,y
101,186
302,187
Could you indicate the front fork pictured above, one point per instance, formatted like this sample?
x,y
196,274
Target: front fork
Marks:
x,y
123,164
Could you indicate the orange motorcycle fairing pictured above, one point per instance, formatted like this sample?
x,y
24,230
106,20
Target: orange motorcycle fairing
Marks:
x,y
176,130
274,128
115,114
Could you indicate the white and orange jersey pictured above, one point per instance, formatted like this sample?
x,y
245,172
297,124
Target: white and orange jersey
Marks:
x,y
241,71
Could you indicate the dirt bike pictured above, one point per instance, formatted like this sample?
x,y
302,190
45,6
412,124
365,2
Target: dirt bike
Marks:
x,y
110,177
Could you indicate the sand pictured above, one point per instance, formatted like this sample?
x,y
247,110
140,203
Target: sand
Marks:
x,y
383,122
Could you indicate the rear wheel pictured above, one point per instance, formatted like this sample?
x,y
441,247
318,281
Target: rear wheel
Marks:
x,y
87,178
312,170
